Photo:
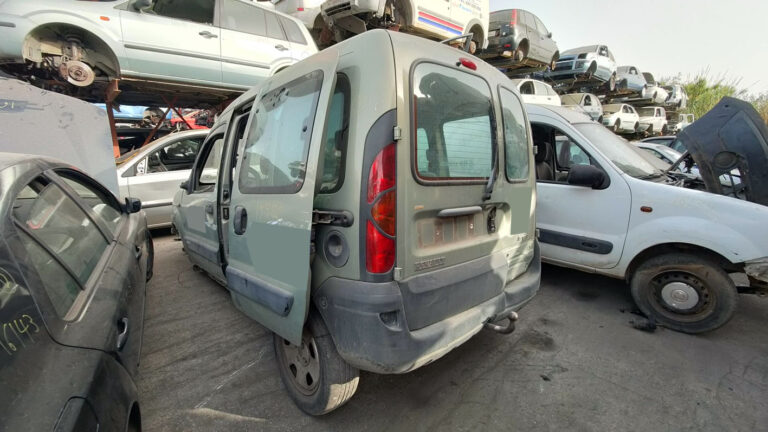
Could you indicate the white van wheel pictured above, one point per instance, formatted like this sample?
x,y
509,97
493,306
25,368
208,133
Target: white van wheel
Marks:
x,y
684,292
315,376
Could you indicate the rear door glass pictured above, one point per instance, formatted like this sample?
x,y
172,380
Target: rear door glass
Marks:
x,y
515,136
453,108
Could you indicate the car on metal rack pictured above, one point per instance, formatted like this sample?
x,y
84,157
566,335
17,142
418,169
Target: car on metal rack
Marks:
x,y
535,91
653,120
220,44
74,263
591,65
621,118
517,39
587,103
371,237
630,80
653,90
678,98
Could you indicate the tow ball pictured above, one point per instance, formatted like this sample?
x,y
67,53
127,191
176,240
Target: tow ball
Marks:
x,y
504,329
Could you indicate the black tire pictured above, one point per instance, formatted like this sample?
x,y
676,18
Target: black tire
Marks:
x,y
600,119
336,380
715,293
518,55
649,131
617,126
664,130
612,83
637,127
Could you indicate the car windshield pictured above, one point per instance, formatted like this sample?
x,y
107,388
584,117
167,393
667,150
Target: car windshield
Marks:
x,y
647,112
619,151
570,99
610,109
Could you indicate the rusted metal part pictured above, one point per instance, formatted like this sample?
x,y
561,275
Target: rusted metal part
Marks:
x,y
111,92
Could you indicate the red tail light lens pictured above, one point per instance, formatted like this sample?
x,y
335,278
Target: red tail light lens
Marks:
x,y
513,19
379,248
382,175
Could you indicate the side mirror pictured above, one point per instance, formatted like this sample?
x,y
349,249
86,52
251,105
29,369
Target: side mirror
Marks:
x,y
138,5
549,35
185,185
132,205
588,176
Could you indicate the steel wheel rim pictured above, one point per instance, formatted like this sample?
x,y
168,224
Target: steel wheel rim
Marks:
x,y
681,296
302,363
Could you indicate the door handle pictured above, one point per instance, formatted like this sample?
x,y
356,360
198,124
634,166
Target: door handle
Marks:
x,y
206,34
281,47
240,223
209,208
122,335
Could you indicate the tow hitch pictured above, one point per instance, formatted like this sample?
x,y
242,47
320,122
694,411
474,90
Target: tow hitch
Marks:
x,y
507,329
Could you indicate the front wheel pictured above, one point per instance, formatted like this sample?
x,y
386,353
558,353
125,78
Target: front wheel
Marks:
x,y
684,292
314,374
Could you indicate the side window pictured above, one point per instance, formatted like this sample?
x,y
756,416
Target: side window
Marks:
x,y
209,172
603,51
567,154
293,31
587,101
274,159
515,136
174,157
242,17
454,108
200,11
541,88
527,88
103,204
334,148
63,243
273,27
540,26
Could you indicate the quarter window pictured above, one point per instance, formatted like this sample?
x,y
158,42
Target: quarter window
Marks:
x,y
273,27
243,17
293,31
277,145
59,285
454,109
334,148
209,173
515,136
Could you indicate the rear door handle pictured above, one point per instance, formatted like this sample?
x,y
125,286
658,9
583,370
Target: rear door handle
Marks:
x,y
206,34
281,47
459,211
240,223
122,335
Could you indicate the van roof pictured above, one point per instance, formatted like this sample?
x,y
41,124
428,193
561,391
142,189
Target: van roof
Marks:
x,y
569,115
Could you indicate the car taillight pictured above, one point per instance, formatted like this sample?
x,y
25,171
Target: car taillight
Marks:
x,y
513,18
379,246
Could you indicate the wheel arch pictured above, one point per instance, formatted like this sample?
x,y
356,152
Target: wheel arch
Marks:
x,y
33,47
134,419
678,247
478,33
525,46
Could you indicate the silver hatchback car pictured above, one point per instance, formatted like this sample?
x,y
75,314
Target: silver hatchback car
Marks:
x,y
222,44
153,173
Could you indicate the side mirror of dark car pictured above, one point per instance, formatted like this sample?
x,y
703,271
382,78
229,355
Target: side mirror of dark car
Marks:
x,y
588,176
549,35
132,205
185,185
138,5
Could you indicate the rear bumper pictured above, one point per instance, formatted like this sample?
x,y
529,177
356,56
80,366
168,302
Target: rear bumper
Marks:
x,y
368,324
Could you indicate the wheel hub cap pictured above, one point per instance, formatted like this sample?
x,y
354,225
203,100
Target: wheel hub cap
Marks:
x,y
680,295
303,364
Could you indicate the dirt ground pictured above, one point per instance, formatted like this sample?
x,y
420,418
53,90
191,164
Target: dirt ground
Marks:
x,y
574,363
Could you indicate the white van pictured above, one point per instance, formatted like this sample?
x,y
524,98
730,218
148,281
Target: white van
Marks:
x,y
434,19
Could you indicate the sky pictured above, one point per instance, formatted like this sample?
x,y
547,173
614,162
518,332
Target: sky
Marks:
x,y
665,37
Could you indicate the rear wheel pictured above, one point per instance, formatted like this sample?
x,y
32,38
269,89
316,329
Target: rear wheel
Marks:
x,y
684,292
612,83
664,130
649,132
617,126
315,376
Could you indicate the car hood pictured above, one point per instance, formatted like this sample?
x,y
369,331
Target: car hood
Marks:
x,y
731,136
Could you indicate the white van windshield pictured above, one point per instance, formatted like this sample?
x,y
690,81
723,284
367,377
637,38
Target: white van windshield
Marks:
x,y
618,151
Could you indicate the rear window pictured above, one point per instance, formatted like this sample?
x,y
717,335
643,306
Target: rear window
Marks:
x,y
453,120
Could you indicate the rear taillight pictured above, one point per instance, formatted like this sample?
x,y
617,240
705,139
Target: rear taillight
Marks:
x,y
379,244
513,18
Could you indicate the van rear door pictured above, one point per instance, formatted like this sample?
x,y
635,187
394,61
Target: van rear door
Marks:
x,y
463,236
272,195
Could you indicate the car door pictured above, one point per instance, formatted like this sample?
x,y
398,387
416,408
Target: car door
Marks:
x,y
198,219
589,108
272,197
253,44
603,62
544,95
156,178
577,224
544,43
90,258
301,46
173,39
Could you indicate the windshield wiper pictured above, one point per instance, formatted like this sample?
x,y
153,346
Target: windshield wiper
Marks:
x,y
652,176
494,162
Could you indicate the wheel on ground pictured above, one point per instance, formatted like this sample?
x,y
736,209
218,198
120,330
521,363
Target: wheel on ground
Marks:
x,y
664,130
637,127
315,376
684,292
617,126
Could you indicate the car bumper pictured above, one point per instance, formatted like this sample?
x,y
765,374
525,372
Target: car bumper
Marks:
x,y
343,8
367,321
757,269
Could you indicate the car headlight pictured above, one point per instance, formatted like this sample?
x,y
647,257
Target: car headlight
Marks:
x,y
580,64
